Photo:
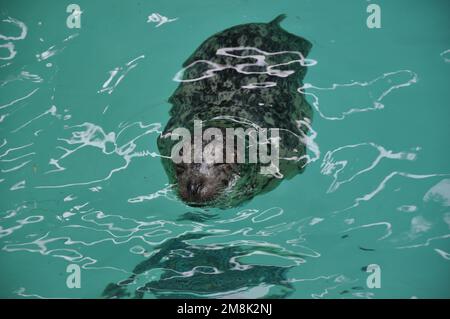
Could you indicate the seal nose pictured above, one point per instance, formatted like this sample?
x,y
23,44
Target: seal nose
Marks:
x,y
194,189
203,185
197,192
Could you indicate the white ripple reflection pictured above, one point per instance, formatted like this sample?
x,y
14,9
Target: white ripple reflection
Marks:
x,y
91,135
334,167
383,85
110,84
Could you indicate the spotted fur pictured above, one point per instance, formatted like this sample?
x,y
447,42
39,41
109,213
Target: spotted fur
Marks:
x,y
226,94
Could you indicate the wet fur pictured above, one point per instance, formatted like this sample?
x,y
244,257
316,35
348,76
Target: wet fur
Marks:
x,y
223,95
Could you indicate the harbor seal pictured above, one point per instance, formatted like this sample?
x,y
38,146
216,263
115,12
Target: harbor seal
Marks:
x,y
243,77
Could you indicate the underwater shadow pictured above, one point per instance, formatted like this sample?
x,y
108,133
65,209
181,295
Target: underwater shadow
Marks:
x,y
202,271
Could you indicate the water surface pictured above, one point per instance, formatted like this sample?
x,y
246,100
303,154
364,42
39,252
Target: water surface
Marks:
x,y
81,181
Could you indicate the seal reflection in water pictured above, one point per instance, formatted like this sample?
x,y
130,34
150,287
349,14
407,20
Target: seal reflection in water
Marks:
x,y
205,273
245,76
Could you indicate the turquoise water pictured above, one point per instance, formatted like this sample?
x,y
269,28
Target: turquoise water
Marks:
x,y
81,181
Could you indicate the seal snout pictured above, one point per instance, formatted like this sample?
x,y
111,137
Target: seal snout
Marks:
x,y
197,191
201,184
194,188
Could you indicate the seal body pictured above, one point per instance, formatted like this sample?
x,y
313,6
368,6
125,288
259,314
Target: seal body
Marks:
x,y
245,76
